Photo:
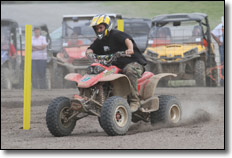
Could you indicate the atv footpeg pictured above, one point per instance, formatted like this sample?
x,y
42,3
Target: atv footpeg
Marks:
x,y
150,105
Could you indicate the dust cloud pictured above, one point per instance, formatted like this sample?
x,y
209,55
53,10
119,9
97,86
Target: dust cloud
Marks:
x,y
193,112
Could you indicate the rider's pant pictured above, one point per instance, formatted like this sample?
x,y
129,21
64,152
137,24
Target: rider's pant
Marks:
x,y
133,71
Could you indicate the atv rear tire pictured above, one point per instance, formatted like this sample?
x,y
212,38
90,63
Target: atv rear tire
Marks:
x,y
115,116
199,74
57,113
169,111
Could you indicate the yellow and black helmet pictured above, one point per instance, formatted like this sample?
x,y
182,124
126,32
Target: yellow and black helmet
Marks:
x,y
101,19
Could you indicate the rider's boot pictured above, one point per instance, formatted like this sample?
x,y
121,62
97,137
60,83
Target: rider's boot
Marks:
x,y
134,103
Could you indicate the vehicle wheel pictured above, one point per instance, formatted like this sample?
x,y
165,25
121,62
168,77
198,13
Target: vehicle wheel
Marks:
x,y
169,111
58,78
99,121
56,118
115,116
5,81
199,75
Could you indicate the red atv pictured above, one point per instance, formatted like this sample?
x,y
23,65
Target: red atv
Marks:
x,y
103,93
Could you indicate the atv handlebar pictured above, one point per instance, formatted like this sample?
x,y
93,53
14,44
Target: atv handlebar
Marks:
x,y
108,59
115,55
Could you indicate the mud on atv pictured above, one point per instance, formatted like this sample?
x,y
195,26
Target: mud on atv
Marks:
x,y
103,93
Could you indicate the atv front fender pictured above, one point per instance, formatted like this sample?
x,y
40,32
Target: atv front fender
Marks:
x,y
121,84
73,77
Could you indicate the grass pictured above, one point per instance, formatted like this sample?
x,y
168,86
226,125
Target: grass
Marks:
x,y
149,9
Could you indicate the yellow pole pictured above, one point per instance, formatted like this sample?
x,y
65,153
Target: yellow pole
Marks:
x,y
121,25
27,78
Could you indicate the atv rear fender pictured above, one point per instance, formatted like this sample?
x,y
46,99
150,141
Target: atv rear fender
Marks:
x,y
147,90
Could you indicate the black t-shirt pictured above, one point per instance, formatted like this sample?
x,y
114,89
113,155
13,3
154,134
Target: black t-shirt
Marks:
x,y
115,42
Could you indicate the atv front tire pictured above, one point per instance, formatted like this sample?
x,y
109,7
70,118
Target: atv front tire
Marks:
x,y
57,117
115,116
169,111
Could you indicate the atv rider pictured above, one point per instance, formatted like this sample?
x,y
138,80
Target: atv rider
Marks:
x,y
111,41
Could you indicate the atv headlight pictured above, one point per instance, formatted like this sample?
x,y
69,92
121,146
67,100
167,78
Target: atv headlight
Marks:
x,y
191,52
95,69
152,54
98,69
90,70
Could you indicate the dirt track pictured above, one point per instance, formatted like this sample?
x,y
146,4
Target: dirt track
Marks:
x,y
202,124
